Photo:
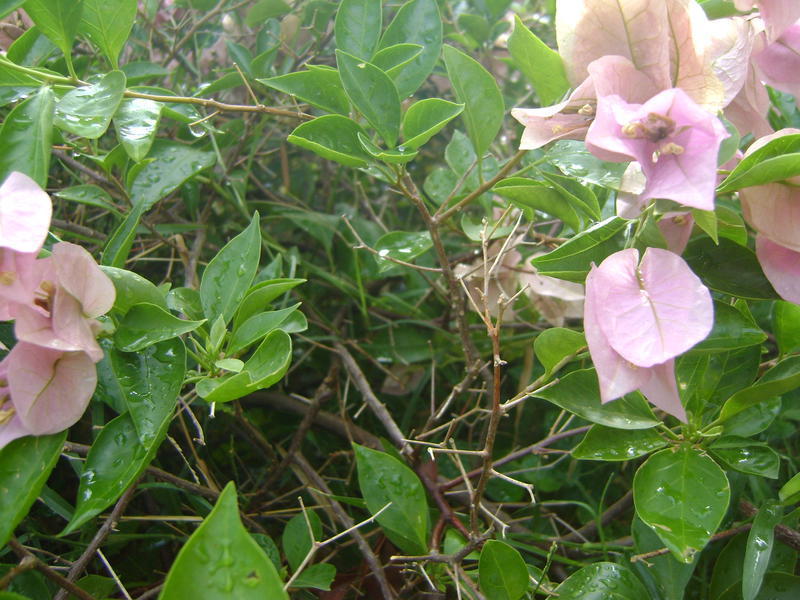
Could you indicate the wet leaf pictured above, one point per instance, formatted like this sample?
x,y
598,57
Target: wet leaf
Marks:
x,y
145,324
502,572
601,581
607,443
86,111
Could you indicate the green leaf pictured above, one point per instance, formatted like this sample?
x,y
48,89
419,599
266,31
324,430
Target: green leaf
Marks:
x,y
541,65
401,245
222,560
776,586
132,289
318,577
707,221
601,581
319,86
753,420
296,539
187,301
265,367
260,296
383,479
136,122
776,160
670,576
579,393
728,268
145,324
394,59
87,110
58,20
397,157
530,196
790,491
25,465
744,455
256,327
90,195
606,443
477,89
358,27
786,320
417,22
9,6
759,548
574,160
502,572
572,259
783,377
230,273
373,94
333,137
731,330
682,495
263,10
426,118
26,136
108,25
731,225
555,344
580,197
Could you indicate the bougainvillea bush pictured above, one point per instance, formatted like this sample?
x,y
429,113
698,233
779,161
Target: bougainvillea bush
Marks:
x,y
399,300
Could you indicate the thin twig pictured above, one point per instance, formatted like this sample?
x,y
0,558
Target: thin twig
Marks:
x,y
66,585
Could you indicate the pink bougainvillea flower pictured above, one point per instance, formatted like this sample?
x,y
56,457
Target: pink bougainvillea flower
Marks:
x,y
674,140
776,14
25,212
676,227
781,266
779,62
638,317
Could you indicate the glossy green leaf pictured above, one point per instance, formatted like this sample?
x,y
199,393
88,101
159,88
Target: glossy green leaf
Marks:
x,y
90,195
25,465
222,560
373,94
187,301
555,344
265,367
541,65
572,259
260,296
417,22
394,59
728,268
670,577
263,10
530,196
319,577
754,419
319,86
87,110
606,443
579,393
396,157
383,479
296,539
783,377
149,383
59,20
580,197
682,495
776,160
790,491
786,320
744,455
759,548
730,225
136,123
132,289
358,27
401,245
574,160
26,136
477,89
776,586
108,25
256,327
731,330
502,573
230,273
333,137
426,118
145,324
601,581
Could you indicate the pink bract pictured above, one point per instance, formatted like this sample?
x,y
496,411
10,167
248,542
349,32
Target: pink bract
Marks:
x,y
25,211
781,265
674,140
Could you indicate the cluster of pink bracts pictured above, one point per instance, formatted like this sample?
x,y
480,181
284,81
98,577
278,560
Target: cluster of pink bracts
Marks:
x,y
650,79
49,376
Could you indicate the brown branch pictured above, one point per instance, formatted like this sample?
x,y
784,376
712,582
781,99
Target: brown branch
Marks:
x,y
65,584
786,535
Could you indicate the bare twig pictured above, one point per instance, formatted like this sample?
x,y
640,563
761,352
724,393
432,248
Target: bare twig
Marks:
x,y
65,584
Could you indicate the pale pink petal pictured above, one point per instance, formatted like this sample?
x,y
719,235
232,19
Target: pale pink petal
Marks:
x,y
778,15
773,210
18,278
31,326
636,29
71,327
676,227
728,50
779,62
616,75
616,375
652,312
12,430
78,274
781,266
661,390
50,389
25,211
